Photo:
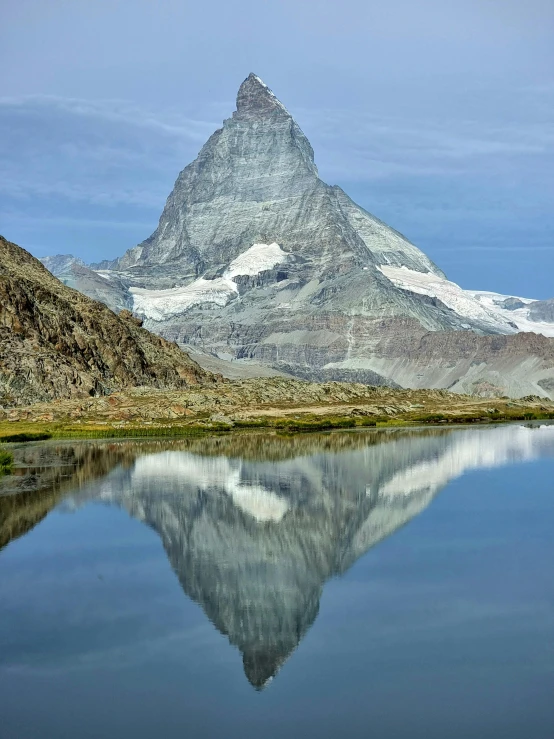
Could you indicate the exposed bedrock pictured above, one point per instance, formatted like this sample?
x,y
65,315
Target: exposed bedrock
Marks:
x,y
58,343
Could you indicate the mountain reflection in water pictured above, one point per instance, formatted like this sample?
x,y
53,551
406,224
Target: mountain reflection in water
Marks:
x,y
254,525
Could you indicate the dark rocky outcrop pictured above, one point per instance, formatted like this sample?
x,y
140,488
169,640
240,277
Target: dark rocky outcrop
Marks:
x,y
542,310
57,343
511,303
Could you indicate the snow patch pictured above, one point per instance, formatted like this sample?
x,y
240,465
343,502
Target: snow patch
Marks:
x,y
476,304
520,316
162,304
452,295
258,258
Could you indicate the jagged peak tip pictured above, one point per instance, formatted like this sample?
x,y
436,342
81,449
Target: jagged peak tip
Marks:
x,y
255,98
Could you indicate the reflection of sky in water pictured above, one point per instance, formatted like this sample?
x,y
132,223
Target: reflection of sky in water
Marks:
x,y
445,629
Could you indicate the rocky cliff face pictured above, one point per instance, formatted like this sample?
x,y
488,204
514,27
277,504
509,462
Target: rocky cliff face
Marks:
x,y
256,258
255,181
542,310
58,343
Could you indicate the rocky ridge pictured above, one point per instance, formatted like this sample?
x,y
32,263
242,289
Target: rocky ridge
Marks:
x,y
264,402
74,273
57,343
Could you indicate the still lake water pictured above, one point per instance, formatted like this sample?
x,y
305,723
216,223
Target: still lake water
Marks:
x,y
384,584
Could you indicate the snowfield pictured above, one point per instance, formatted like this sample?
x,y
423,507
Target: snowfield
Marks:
x,y
452,295
486,307
162,304
258,258
475,304
520,316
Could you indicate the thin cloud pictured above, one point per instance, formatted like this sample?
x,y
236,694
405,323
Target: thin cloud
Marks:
x,y
357,146
21,218
24,189
116,111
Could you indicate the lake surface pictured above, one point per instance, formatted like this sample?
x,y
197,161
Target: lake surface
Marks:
x,y
355,584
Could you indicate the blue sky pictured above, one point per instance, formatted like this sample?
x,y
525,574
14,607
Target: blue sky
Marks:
x,y
438,117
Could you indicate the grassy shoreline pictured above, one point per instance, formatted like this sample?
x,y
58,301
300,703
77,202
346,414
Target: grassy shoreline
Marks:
x,y
21,431
6,462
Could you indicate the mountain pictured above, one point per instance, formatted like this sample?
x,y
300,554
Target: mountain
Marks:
x,y
256,259
107,288
57,343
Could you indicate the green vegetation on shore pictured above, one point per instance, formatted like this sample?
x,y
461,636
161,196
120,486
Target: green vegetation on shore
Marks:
x,y
6,462
300,423
27,436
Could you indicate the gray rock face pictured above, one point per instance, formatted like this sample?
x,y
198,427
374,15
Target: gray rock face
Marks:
x,y
61,264
108,288
255,181
542,310
511,303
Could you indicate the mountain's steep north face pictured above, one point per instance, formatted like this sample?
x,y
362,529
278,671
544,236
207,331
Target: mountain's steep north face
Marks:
x,y
256,258
57,343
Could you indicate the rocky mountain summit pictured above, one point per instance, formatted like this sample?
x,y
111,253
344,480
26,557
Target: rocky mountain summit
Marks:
x,y
256,259
57,343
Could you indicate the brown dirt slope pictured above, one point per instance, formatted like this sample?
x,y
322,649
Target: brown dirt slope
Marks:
x,y
57,343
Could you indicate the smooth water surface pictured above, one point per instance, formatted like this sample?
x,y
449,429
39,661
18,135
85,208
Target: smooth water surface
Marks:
x,y
386,584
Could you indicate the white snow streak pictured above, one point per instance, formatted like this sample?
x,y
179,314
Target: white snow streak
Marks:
x,y
162,304
258,258
449,293
475,304
520,316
